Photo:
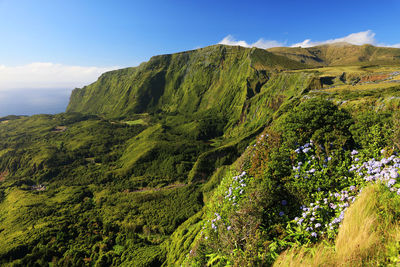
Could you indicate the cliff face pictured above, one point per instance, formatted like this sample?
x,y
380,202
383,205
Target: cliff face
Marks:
x,y
216,77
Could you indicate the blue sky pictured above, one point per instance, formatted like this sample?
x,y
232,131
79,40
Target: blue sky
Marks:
x,y
90,37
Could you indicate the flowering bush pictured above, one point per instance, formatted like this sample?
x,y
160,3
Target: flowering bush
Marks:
x,y
321,218
228,195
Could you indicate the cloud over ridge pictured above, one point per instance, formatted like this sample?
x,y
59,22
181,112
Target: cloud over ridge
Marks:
x,y
261,43
358,38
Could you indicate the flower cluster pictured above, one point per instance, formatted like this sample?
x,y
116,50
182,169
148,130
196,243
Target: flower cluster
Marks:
x,y
385,170
326,213
231,191
324,216
236,188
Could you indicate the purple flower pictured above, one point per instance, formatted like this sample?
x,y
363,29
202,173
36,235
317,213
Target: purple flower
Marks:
x,y
391,182
354,152
332,206
281,213
317,225
284,202
352,188
394,174
314,234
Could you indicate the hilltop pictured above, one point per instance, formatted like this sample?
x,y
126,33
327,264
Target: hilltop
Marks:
x,y
340,54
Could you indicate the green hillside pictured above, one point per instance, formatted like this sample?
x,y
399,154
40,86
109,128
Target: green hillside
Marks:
x,y
204,158
216,77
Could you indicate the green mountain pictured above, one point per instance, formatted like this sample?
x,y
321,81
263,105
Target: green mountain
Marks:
x,y
216,77
203,158
340,54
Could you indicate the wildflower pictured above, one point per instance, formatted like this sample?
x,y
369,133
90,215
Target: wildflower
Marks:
x,y
317,225
284,202
352,188
300,221
312,170
228,228
332,206
394,174
354,152
312,219
391,182
314,234
305,150
356,159
281,213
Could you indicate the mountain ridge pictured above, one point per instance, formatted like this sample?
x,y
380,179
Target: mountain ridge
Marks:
x,y
165,80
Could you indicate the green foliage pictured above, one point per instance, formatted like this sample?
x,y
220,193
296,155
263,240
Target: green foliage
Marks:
x,y
319,120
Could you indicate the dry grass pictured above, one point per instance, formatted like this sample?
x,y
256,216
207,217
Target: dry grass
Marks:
x,y
365,238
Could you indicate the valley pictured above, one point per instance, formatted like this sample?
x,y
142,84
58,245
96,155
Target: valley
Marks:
x,y
204,158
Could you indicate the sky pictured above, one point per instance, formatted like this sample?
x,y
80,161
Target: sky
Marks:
x,y
49,47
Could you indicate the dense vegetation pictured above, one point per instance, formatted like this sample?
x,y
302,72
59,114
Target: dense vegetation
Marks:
x,y
217,156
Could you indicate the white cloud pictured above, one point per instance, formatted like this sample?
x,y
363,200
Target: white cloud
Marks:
x,y
395,45
42,75
261,43
359,38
